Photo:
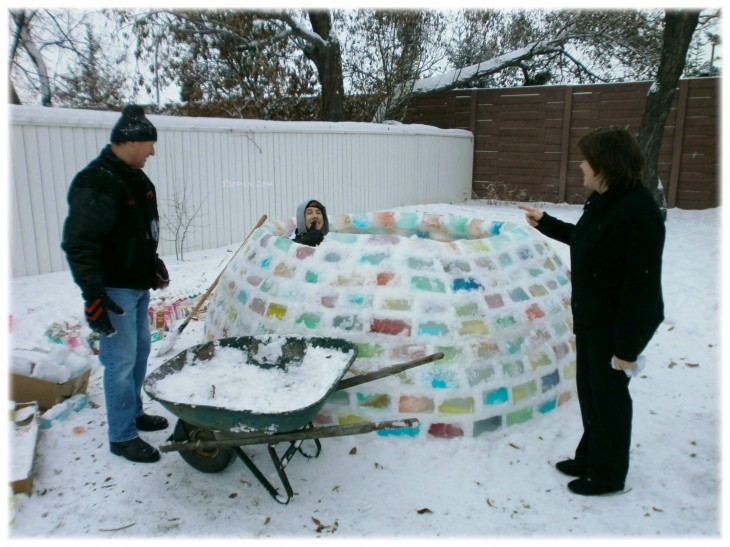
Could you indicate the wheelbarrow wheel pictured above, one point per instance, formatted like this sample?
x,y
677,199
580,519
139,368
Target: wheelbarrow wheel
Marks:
x,y
208,461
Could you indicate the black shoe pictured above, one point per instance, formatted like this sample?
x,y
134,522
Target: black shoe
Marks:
x,y
572,468
135,450
145,422
588,487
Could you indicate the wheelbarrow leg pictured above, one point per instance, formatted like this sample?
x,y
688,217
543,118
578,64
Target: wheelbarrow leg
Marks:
x,y
280,464
274,492
293,448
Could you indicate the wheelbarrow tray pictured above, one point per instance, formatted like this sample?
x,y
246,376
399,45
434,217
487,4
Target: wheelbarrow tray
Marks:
x,y
220,418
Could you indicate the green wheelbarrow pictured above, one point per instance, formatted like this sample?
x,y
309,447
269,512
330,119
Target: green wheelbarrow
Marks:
x,y
213,427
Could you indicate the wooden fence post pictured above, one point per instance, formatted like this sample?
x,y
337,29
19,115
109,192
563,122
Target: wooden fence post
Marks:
x,y
677,143
473,129
565,144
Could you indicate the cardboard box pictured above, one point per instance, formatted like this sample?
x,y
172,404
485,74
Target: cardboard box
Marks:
x,y
24,420
29,388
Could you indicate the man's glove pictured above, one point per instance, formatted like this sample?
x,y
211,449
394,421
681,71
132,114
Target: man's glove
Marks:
x,y
162,278
97,314
311,237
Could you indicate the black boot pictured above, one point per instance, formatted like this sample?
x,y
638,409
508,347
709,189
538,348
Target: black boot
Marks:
x,y
587,487
572,468
135,450
145,422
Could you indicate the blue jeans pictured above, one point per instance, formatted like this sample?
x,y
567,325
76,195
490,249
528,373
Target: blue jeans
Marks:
x,y
124,356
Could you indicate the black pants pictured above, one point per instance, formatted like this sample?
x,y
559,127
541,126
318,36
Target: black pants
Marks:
x,y
606,410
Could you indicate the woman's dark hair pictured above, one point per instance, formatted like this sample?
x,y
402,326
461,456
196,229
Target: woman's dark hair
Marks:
x,y
614,153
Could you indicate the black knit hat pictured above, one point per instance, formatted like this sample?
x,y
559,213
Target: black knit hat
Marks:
x,y
133,126
316,204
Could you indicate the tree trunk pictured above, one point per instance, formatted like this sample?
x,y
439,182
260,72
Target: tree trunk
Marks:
x,y
22,21
13,97
328,61
679,26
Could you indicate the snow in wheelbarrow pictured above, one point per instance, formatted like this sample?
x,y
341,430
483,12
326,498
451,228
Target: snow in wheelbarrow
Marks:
x,y
272,383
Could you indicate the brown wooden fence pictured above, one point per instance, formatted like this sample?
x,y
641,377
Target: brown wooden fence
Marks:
x,y
525,137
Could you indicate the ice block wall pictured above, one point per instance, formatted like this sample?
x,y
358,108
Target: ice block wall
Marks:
x,y
493,296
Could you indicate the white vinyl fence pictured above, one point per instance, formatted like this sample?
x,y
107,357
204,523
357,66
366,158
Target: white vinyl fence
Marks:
x,y
230,171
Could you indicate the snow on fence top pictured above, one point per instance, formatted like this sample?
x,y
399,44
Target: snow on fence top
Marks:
x,y
39,115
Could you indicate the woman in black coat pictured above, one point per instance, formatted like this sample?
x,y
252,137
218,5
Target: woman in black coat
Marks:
x,y
616,265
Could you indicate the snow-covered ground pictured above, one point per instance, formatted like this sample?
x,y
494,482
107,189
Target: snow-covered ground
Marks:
x,y
494,486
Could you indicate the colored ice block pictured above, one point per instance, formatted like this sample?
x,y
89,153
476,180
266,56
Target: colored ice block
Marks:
x,y
258,306
486,263
254,280
420,263
427,284
462,284
457,405
396,304
283,243
486,350
384,278
367,350
284,270
445,431
519,416
304,251
547,406
400,432
513,368
277,311
541,359
518,295
390,326
242,297
409,403
506,321
309,320
479,375
373,259
349,322
433,328
494,301
524,391
373,400
534,312
496,396
549,381
487,425
474,326
537,290
470,308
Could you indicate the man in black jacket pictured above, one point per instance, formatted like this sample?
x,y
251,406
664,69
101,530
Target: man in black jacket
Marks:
x,y
616,267
110,239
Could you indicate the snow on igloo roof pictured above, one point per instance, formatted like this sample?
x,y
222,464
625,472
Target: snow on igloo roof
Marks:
x,y
492,295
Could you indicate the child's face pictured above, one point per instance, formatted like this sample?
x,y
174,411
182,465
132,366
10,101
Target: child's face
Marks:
x,y
312,214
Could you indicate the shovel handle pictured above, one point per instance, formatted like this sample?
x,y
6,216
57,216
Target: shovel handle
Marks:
x,y
215,283
387,371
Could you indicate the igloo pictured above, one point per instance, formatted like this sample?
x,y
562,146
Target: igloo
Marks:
x,y
493,296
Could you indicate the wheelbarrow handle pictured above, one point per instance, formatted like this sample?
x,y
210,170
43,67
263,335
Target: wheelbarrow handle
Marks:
x,y
387,371
258,437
